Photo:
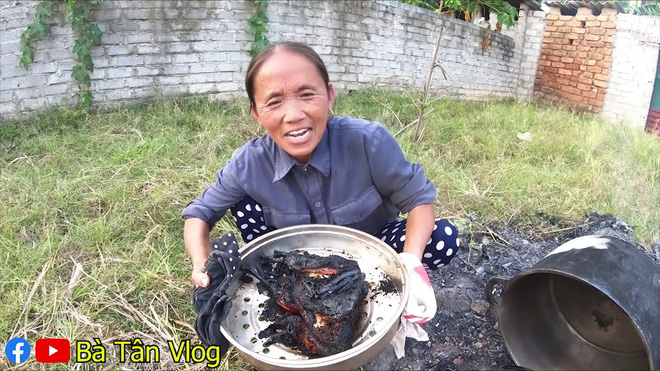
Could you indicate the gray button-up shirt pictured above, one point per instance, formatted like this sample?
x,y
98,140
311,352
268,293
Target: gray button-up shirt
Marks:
x,y
357,177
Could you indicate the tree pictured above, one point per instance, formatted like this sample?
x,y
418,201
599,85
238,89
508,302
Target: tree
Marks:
x,y
465,9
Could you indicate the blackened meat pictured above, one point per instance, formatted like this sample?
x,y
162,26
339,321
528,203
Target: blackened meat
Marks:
x,y
314,301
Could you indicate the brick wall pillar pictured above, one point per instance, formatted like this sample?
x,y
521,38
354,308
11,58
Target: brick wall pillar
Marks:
x,y
576,57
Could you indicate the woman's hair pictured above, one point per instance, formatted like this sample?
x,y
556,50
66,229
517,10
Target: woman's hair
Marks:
x,y
267,52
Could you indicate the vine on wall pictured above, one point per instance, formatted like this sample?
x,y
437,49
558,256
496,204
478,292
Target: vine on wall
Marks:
x,y
87,35
258,27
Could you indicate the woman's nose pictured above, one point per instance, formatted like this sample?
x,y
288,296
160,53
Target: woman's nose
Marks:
x,y
293,111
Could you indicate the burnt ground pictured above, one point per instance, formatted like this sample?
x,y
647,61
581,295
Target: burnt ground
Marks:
x,y
464,334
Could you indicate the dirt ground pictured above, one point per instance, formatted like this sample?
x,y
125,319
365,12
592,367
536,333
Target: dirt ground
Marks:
x,y
464,335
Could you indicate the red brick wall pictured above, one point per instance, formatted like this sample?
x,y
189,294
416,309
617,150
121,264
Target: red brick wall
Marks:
x,y
576,56
653,121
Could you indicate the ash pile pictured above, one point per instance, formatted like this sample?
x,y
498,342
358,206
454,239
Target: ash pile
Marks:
x,y
464,334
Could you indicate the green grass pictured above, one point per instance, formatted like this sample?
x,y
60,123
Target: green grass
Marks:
x,y
573,165
104,192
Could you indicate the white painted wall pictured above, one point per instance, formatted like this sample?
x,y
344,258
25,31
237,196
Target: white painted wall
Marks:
x,y
200,46
633,72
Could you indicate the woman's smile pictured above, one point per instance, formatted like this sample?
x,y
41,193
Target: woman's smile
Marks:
x,y
299,136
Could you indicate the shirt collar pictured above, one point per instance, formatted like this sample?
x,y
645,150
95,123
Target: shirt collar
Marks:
x,y
320,159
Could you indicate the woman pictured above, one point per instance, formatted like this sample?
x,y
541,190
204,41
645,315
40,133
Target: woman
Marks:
x,y
310,168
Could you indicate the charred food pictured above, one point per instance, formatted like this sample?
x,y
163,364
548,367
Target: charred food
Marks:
x,y
314,301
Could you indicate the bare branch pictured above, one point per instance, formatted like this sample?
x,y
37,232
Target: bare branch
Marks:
x,y
435,99
445,73
427,85
412,100
412,123
390,109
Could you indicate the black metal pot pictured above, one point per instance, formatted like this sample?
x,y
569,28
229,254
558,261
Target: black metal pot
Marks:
x,y
591,304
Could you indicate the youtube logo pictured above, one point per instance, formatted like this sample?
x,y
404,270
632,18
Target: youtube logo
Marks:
x,y
52,350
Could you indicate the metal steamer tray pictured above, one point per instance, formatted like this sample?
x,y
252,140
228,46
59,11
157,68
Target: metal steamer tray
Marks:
x,y
379,315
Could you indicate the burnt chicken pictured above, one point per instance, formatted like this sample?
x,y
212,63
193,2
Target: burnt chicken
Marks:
x,y
314,301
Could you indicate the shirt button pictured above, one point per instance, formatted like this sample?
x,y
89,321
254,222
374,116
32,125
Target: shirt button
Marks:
x,y
317,204
304,169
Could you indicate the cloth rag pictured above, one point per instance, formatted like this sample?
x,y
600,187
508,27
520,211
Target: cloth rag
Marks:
x,y
419,309
211,302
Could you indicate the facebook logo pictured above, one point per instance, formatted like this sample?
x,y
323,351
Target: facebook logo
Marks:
x,y
17,350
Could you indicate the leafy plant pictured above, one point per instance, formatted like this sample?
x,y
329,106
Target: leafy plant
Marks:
x,y
426,4
87,34
258,27
506,13
651,9
36,31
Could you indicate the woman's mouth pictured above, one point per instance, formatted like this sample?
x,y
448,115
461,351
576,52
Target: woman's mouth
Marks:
x,y
299,136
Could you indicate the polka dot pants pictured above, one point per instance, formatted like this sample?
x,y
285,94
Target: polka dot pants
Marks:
x,y
440,249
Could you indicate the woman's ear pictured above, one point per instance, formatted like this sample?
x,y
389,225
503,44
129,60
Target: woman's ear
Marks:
x,y
331,96
254,113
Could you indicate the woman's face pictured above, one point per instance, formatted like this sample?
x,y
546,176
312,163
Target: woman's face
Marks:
x,y
292,103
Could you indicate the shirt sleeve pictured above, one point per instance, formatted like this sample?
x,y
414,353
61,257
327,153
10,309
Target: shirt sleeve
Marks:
x,y
214,202
404,183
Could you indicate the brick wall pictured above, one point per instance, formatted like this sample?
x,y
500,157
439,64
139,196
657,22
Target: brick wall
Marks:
x,y
527,35
186,47
148,47
576,58
653,122
633,71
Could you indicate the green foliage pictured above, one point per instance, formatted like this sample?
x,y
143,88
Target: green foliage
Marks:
x,y
651,9
258,27
506,13
573,165
426,4
36,31
87,34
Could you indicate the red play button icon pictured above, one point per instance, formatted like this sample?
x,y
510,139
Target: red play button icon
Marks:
x,y
52,350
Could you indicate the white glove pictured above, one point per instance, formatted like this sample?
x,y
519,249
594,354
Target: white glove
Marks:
x,y
420,308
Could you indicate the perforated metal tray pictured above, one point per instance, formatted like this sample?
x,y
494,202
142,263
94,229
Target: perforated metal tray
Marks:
x,y
379,315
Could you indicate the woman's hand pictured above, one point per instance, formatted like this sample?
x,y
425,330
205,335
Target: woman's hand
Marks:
x,y
197,241
200,278
419,227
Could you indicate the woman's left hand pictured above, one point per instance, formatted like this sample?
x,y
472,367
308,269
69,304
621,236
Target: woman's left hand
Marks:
x,y
419,227
421,305
200,278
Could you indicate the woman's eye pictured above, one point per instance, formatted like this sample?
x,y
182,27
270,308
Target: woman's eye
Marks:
x,y
273,103
307,95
